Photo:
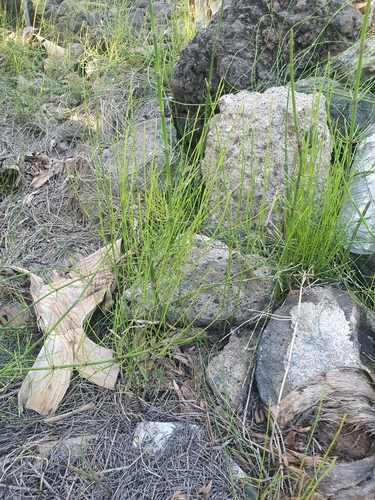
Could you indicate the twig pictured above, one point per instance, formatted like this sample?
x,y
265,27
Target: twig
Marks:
x,y
18,488
247,401
71,487
112,443
210,427
43,480
8,394
125,467
26,14
289,357
88,406
91,476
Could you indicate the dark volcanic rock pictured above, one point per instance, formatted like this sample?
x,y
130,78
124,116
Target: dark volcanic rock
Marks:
x,y
251,50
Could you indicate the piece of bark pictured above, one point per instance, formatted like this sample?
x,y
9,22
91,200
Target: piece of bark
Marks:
x,y
345,394
342,396
352,481
62,309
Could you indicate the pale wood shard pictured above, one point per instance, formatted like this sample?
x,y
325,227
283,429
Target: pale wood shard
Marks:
x,y
62,309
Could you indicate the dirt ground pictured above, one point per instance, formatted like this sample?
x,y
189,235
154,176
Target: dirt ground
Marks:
x,y
92,454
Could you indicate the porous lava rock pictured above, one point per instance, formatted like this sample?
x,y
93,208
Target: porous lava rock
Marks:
x,y
246,165
214,287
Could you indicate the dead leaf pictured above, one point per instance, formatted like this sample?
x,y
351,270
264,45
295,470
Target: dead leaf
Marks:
x,y
182,359
41,178
178,495
244,463
176,388
187,391
205,491
44,385
361,6
29,198
37,157
51,48
14,313
56,167
62,308
101,374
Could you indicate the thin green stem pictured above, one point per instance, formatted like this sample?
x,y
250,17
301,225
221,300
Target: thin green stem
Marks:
x,y
358,81
159,84
295,120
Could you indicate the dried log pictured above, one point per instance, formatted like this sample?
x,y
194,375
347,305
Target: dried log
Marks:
x,y
345,394
353,481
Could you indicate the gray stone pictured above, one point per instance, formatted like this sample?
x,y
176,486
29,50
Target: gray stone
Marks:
x,y
252,49
150,109
326,337
143,4
161,10
245,161
340,101
94,20
133,158
344,67
140,18
229,371
220,286
50,10
66,6
213,287
137,19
